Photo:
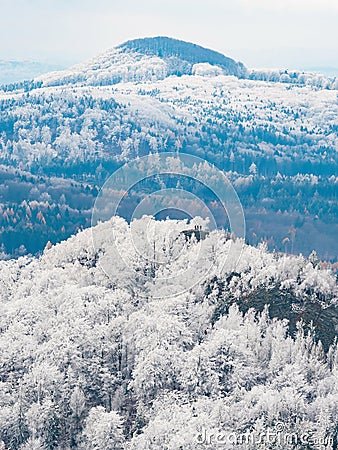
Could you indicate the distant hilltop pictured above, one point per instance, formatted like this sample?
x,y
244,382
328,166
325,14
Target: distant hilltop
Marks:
x,y
157,58
165,47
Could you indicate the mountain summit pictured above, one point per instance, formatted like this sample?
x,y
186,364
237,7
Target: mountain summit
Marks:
x,y
169,48
157,58
147,59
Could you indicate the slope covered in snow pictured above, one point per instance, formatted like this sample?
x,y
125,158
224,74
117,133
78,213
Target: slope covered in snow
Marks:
x,y
159,57
93,361
144,59
129,101
266,129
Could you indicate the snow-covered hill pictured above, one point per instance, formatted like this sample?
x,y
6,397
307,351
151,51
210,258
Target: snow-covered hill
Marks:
x,y
264,128
93,361
146,59
160,93
151,59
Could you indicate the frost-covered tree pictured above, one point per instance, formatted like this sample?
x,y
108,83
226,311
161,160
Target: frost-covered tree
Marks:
x,y
115,360
103,430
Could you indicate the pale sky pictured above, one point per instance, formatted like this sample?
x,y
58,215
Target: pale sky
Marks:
x,y
260,33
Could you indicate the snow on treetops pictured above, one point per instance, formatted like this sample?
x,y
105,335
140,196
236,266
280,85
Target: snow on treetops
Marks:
x,y
121,362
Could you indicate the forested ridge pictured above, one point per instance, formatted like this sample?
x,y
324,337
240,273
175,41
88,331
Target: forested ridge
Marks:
x,y
273,133
92,361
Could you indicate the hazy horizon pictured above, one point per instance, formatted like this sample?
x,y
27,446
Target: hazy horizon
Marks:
x,y
41,66
66,63
296,35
